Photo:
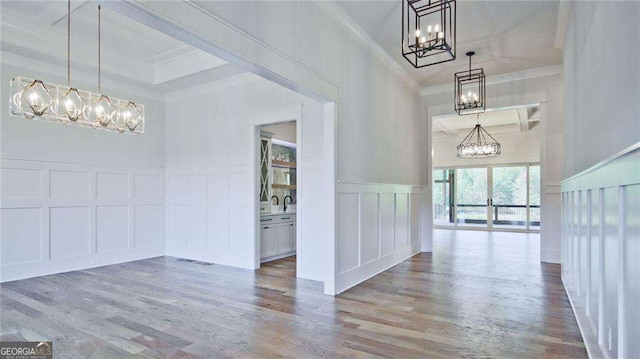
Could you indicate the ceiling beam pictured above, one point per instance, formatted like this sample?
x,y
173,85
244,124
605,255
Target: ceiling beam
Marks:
x,y
523,119
440,125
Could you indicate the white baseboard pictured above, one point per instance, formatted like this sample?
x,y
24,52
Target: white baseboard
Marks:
x,y
589,338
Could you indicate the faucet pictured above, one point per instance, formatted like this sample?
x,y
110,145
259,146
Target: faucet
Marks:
x,y
277,200
284,202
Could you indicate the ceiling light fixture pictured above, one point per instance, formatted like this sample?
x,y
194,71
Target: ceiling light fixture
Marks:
x,y
478,144
470,89
428,31
36,99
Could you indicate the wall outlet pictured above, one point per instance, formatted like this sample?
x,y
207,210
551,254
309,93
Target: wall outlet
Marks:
x,y
609,337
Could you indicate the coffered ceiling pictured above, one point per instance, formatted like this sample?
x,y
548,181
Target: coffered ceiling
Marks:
x,y
497,122
507,36
130,49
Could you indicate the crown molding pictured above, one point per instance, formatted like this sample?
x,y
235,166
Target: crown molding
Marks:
x,y
500,78
564,12
341,17
237,80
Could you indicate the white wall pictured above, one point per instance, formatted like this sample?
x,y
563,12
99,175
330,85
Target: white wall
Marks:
x,y
519,89
601,233
518,147
210,206
74,198
602,80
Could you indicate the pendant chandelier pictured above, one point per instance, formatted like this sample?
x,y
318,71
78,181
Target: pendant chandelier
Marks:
x,y
478,144
428,31
36,99
470,90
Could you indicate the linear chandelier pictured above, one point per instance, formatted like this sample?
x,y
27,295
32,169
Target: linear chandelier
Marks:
x,y
36,99
470,90
478,144
428,31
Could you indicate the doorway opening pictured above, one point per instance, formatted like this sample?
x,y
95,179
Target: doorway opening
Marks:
x,y
277,174
499,193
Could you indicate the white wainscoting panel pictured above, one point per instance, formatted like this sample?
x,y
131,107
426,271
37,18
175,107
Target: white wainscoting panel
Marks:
x,y
62,216
204,222
24,227
69,185
112,228
378,227
112,185
18,183
149,226
600,251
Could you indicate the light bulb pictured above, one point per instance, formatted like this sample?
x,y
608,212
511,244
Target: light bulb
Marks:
x,y
423,40
34,98
68,105
417,32
437,28
429,29
440,35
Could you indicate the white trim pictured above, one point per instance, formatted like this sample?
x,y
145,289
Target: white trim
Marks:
x,y
500,78
588,337
341,17
605,162
284,143
564,12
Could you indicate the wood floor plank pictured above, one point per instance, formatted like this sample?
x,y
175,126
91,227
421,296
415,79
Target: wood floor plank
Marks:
x,y
478,296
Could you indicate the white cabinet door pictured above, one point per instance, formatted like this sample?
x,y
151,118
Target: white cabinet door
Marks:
x,y
284,237
268,240
294,236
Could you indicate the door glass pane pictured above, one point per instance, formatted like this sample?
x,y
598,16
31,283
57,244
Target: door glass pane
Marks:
x,y
442,206
471,196
534,197
510,197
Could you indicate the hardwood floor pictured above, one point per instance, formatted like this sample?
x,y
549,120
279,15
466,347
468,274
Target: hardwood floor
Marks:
x,y
479,296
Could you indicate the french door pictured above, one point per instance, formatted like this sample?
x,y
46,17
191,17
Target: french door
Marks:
x,y
504,197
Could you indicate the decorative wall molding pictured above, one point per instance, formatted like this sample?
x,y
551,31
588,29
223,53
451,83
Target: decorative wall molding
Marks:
x,y
59,217
378,226
600,248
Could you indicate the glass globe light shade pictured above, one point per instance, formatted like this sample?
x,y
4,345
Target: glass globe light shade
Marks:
x,y
37,97
131,116
103,111
72,104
